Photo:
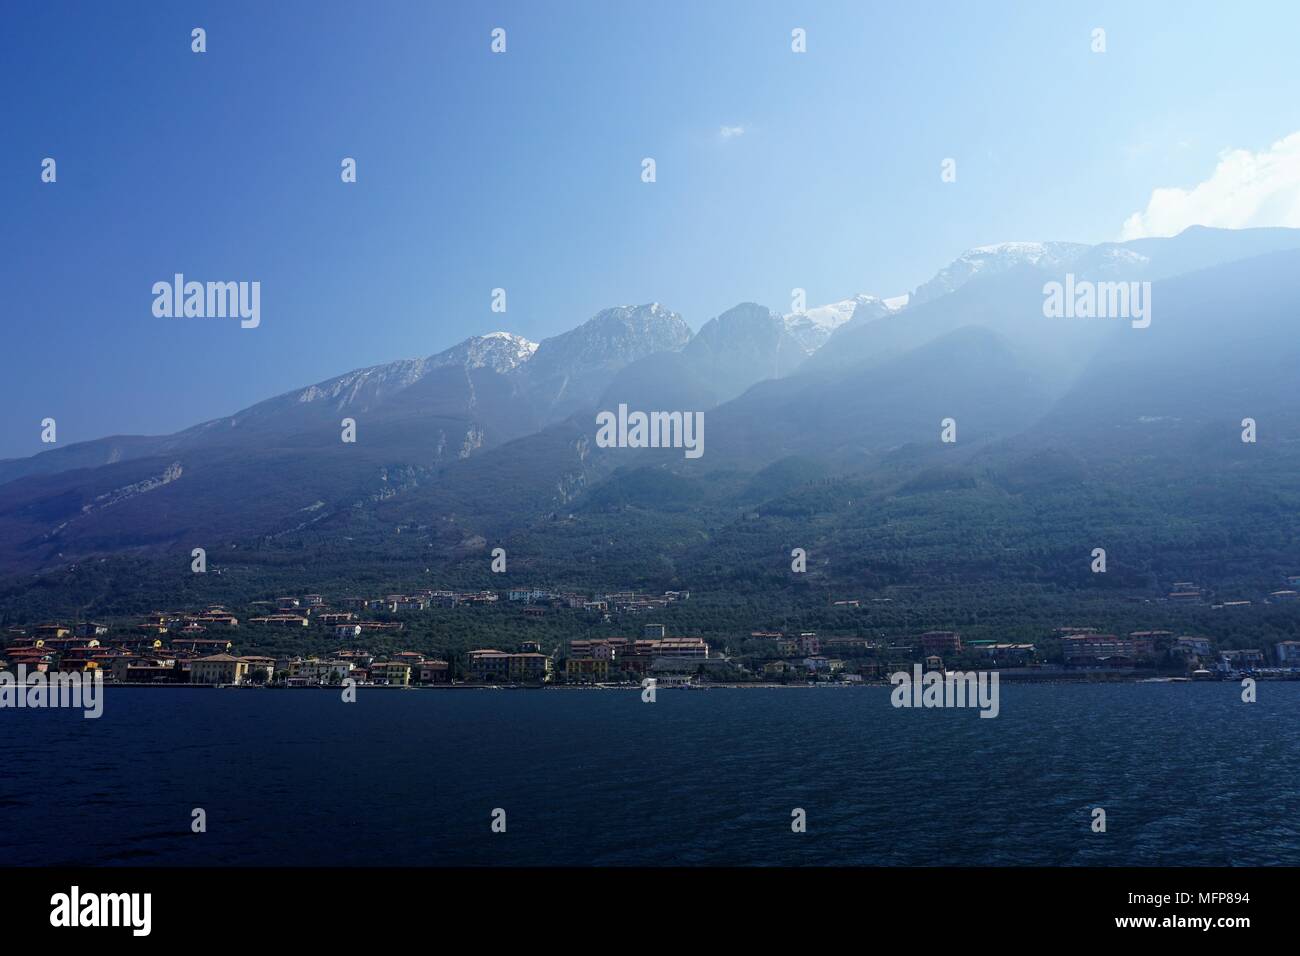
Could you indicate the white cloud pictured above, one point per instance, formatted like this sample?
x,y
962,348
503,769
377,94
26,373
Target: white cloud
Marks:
x,y
729,132
1246,189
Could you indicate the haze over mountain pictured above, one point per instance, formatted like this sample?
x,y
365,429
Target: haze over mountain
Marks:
x,y
495,434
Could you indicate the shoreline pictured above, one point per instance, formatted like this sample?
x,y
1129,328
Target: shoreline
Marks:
x,y
886,685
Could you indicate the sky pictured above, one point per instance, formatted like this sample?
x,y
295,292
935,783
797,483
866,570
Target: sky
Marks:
x,y
522,170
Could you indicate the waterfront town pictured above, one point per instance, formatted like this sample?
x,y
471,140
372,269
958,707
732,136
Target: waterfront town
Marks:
x,y
216,647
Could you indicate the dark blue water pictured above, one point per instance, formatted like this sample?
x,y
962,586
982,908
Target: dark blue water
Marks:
x,y
1187,773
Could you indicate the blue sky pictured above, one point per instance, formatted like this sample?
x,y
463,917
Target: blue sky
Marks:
x,y
522,170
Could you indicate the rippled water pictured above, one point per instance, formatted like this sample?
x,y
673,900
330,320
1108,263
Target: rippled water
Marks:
x,y
1187,773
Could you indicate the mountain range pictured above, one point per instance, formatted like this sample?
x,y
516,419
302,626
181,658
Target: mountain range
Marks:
x,y
494,437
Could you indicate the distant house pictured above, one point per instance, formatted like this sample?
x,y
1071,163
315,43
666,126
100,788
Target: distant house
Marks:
x,y
1091,649
206,645
530,668
1008,653
1248,659
941,642
585,670
820,665
218,617
314,671
218,669
1193,646
434,672
1287,653
260,669
489,665
393,673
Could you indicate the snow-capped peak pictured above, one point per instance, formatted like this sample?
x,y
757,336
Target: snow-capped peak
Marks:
x,y
499,351
999,257
812,327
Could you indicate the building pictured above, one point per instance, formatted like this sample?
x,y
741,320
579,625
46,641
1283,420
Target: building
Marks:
x,y
261,670
680,647
1009,653
392,673
280,620
940,643
1093,648
1287,653
1193,646
489,666
529,668
134,669
434,672
586,670
218,669
1244,659
217,617
314,671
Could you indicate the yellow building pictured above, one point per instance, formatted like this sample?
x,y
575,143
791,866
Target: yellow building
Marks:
x,y
530,667
390,672
586,670
218,669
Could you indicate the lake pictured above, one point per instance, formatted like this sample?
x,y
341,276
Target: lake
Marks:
x,y
1188,774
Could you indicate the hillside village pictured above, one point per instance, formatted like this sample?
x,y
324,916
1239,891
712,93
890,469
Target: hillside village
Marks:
x,y
215,646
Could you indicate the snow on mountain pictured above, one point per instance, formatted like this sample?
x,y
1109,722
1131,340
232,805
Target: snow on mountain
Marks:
x,y
572,369
813,327
365,385
500,351
612,337
990,260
